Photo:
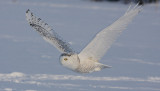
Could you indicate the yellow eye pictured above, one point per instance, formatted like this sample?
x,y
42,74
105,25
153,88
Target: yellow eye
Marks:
x,y
65,59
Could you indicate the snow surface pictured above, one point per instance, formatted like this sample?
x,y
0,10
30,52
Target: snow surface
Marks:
x,y
28,63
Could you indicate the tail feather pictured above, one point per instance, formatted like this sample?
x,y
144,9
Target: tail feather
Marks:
x,y
104,66
100,66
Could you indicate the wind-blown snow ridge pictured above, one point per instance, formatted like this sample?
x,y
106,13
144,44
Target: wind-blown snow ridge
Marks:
x,y
17,77
47,80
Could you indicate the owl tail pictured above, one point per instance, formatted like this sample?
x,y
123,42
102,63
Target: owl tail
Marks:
x,y
100,66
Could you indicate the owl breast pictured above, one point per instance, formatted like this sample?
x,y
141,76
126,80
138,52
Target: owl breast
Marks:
x,y
87,66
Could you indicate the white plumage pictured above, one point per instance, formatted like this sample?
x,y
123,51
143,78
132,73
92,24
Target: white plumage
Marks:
x,y
88,59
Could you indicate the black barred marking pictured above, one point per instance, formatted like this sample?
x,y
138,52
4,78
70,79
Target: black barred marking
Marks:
x,y
45,31
39,19
31,25
46,24
31,14
66,54
62,45
27,11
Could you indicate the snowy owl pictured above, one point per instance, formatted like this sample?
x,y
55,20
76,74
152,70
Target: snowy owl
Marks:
x,y
87,60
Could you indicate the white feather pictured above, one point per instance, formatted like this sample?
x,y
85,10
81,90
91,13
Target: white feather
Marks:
x,y
96,49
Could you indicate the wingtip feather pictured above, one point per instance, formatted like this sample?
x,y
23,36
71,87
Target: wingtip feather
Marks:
x,y
27,11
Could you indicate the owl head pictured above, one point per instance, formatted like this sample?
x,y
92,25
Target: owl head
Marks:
x,y
70,61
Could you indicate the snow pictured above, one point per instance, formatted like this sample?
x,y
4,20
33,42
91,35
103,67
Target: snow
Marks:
x,y
49,80
28,63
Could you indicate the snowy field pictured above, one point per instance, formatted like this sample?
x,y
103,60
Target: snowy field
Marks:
x,y
28,63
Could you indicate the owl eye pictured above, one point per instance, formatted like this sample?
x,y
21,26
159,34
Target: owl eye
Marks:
x,y
65,59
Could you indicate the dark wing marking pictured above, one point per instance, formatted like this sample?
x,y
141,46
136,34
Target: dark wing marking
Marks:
x,y
48,33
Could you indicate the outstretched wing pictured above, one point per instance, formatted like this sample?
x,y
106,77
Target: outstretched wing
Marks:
x,y
96,49
47,33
